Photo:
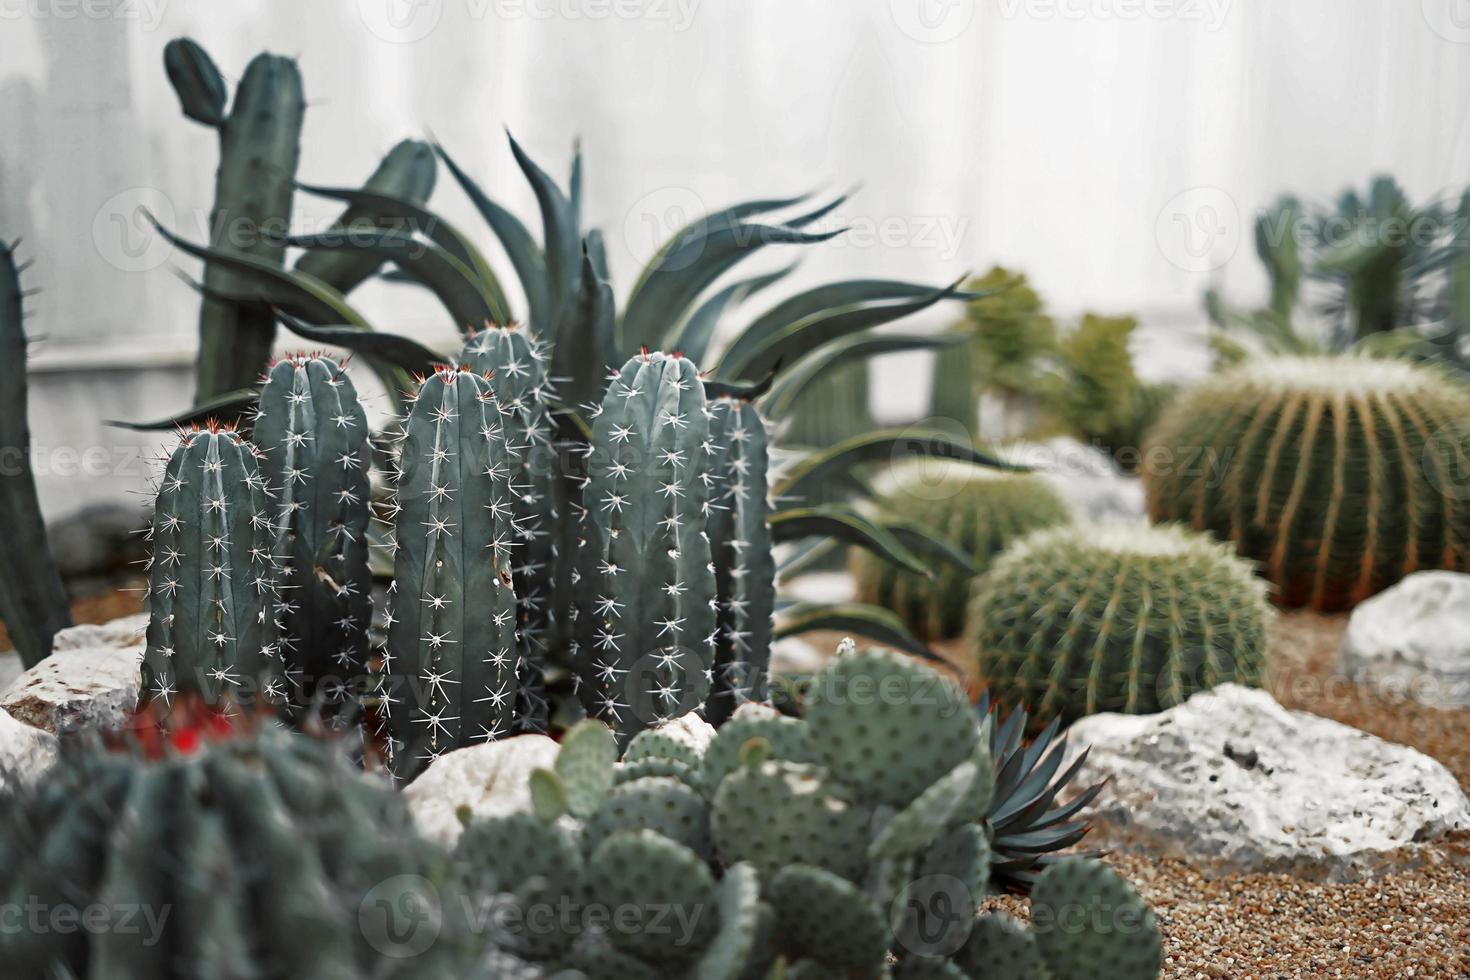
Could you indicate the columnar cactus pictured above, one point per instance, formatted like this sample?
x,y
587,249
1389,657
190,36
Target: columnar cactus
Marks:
x,y
224,854
838,844
32,599
516,369
980,511
450,670
1339,475
212,575
313,437
740,544
646,620
1070,621
260,145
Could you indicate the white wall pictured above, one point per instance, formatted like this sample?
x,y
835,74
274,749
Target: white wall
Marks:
x,y
1076,139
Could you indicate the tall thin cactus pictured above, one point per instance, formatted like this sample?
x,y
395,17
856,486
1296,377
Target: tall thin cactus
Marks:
x,y
212,578
450,673
740,543
32,598
646,621
313,436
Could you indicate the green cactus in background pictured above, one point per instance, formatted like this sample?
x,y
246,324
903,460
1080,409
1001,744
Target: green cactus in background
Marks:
x,y
450,672
1071,621
740,544
823,847
1338,475
1010,340
979,511
313,436
260,145
646,628
212,575
1100,401
539,494
239,854
33,601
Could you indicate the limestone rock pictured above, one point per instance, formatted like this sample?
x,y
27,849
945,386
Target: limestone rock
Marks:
x,y
1232,781
1413,640
491,779
78,688
25,752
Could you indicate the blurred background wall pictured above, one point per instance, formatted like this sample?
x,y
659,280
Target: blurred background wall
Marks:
x,y
1115,150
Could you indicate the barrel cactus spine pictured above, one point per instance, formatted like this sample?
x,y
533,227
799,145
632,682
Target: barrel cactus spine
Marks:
x,y
740,544
1339,475
449,674
212,575
981,511
1071,621
645,630
313,436
260,146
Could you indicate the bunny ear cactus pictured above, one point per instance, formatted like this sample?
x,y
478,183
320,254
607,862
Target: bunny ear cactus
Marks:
x,y
33,600
980,511
826,847
450,672
646,629
1338,475
740,543
313,436
244,853
212,575
1074,621
260,146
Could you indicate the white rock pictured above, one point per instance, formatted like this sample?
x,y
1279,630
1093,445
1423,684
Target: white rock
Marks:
x,y
794,655
25,752
1232,781
10,668
1413,640
1093,486
126,631
690,729
78,688
492,779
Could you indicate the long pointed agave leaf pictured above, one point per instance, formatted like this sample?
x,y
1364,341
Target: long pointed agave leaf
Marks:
x,y
817,300
884,445
822,328
585,349
844,524
788,388
929,546
562,237
392,209
454,283
870,622
401,352
234,408
520,247
693,336
676,279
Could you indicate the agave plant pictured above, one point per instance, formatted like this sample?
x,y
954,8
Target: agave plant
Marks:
x,y
678,304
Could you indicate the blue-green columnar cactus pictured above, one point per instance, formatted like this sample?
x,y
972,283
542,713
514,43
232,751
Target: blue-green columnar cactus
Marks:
x,y
854,843
646,618
313,437
516,369
212,575
219,853
449,674
740,544
259,148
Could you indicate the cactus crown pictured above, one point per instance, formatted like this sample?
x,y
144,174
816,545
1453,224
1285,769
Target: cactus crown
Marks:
x,y
1270,457
1073,621
827,834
